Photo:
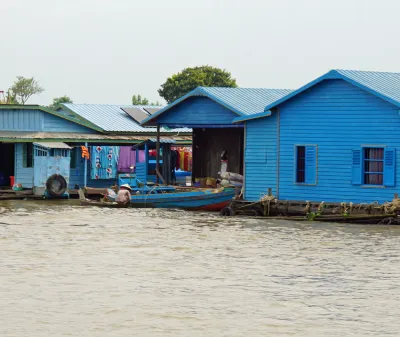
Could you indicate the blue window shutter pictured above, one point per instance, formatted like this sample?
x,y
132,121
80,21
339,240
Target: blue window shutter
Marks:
x,y
389,170
311,165
356,167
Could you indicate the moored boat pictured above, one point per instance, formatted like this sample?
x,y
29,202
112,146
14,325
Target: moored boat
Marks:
x,y
202,199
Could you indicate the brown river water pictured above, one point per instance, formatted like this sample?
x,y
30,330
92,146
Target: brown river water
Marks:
x,y
66,270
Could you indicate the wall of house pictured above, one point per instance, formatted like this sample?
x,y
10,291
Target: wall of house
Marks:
x,y
198,111
37,120
77,176
337,117
260,157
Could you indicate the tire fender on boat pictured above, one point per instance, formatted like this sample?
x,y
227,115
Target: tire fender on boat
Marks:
x,y
227,211
56,185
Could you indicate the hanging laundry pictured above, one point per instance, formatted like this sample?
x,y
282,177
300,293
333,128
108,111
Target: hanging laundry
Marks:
x,y
85,152
104,162
127,158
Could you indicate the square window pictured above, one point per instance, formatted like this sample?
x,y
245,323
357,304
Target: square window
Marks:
x,y
373,165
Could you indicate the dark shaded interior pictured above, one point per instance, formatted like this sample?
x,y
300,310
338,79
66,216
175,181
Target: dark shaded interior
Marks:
x,y
209,144
6,163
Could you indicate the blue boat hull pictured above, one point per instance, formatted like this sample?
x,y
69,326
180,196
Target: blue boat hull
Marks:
x,y
207,200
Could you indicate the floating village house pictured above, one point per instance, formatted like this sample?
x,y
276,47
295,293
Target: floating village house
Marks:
x,y
335,139
210,113
36,142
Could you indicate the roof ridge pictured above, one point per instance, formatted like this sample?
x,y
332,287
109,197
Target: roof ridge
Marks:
x,y
367,71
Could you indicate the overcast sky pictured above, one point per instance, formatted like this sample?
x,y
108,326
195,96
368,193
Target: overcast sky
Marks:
x,y
98,51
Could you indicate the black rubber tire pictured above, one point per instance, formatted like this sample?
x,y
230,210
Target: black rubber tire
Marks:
x,y
227,211
56,185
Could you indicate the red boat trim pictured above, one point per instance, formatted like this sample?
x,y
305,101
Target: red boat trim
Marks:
x,y
214,207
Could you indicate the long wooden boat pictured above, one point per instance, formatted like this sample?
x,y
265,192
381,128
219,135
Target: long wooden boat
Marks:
x,y
205,199
104,204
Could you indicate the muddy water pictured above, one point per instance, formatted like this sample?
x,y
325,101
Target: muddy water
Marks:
x,y
72,271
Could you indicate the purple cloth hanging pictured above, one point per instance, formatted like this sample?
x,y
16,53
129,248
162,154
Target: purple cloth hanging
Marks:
x,y
127,158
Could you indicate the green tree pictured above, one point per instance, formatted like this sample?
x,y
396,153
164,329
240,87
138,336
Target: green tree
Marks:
x,y
139,100
190,78
59,100
23,88
9,98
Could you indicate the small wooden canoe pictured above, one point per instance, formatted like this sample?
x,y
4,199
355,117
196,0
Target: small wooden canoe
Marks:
x,y
93,203
103,204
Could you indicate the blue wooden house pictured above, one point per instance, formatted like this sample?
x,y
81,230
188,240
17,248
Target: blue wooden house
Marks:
x,y
32,137
335,139
210,113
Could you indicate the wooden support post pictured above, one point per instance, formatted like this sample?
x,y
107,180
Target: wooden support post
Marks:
x,y
85,169
396,195
269,191
158,154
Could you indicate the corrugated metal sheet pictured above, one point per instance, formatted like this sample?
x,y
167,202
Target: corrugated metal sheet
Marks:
x,y
112,118
242,101
384,83
247,101
4,135
381,84
53,145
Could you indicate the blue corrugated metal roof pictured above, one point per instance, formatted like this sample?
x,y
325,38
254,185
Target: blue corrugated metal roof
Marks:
x,y
111,118
242,101
382,84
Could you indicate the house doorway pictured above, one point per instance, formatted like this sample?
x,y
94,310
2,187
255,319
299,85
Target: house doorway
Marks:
x,y
6,163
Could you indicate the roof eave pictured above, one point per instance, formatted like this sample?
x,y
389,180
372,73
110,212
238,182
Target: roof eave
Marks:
x,y
195,92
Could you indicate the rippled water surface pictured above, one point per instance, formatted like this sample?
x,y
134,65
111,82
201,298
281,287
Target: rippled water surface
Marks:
x,y
72,271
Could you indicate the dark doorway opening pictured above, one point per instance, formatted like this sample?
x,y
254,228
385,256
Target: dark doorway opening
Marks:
x,y
6,163
210,144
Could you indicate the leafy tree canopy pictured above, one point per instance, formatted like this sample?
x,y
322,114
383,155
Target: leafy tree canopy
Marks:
x,y
139,100
188,79
8,98
59,100
23,88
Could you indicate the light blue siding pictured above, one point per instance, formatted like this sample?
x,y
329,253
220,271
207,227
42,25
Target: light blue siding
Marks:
x,y
339,118
37,120
21,120
53,123
23,175
198,111
260,157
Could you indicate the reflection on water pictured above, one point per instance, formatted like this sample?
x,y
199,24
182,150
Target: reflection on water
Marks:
x,y
72,271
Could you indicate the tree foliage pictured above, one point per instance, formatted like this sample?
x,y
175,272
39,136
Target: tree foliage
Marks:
x,y
8,98
139,100
23,88
188,79
59,100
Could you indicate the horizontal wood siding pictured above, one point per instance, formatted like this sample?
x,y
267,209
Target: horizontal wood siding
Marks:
x,y
198,111
37,120
337,117
21,120
56,124
23,175
260,157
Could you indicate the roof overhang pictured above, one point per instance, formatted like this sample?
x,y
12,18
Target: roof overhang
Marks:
x,y
68,137
53,145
